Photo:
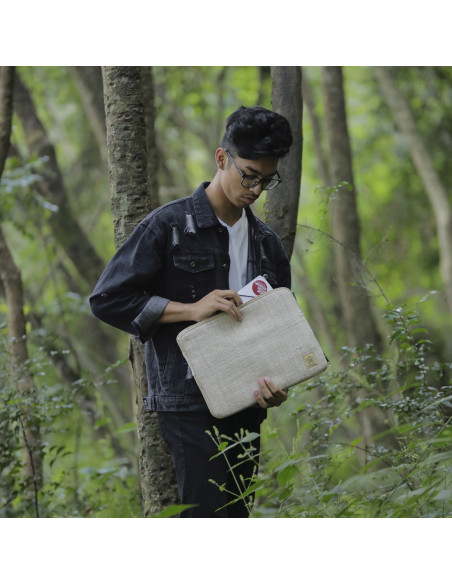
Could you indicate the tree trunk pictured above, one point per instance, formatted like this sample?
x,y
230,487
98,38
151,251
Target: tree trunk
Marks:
x,y
264,77
358,320
325,181
90,87
64,225
308,100
18,352
422,160
126,143
152,155
281,206
157,476
7,75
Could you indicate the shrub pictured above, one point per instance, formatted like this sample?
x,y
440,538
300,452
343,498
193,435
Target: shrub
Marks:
x,y
325,466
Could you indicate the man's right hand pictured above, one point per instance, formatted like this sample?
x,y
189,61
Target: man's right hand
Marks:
x,y
218,300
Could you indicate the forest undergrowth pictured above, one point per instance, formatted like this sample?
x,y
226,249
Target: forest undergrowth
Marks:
x,y
319,465
314,461
371,437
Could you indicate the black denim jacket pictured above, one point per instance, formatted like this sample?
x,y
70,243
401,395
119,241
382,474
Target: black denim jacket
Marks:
x,y
178,252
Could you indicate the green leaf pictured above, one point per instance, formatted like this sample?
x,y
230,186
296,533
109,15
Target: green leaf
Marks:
x,y
286,474
171,511
126,428
250,437
100,422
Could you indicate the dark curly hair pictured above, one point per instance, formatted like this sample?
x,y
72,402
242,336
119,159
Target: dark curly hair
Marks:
x,y
252,132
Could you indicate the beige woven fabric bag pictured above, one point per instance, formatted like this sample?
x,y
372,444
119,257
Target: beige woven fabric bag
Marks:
x,y
274,340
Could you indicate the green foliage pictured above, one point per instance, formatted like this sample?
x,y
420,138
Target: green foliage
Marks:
x,y
398,233
243,442
17,196
82,475
316,460
191,105
171,511
327,468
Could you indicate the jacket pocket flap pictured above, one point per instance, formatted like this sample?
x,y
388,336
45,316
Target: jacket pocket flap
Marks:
x,y
193,262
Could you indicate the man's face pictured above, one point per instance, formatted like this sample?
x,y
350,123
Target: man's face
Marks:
x,y
241,196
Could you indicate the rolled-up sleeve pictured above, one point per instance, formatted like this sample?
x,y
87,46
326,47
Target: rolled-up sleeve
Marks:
x,y
123,296
145,323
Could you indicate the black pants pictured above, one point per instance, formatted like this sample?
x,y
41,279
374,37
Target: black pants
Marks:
x,y
191,450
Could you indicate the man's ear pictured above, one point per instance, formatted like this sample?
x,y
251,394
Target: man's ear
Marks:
x,y
221,158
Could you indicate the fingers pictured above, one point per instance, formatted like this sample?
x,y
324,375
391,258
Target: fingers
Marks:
x,y
232,295
228,301
270,395
228,306
219,300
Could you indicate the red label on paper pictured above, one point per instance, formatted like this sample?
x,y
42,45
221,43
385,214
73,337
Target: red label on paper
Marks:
x,y
259,287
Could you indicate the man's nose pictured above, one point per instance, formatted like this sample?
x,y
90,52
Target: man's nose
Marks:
x,y
257,190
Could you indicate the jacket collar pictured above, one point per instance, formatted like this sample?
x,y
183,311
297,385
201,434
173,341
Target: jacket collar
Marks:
x,y
205,215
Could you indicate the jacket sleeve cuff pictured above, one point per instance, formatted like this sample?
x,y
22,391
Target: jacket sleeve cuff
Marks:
x,y
145,322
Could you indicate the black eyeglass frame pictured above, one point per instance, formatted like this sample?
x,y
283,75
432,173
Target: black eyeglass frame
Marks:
x,y
258,180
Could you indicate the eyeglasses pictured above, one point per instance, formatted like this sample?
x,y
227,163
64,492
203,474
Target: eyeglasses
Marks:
x,y
250,181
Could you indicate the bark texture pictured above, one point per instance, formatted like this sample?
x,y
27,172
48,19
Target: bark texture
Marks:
x,y
131,202
7,75
358,319
18,351
157,476
281,206
152,155
422,160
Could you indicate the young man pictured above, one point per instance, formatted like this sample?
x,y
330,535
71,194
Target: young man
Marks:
x,y
184,262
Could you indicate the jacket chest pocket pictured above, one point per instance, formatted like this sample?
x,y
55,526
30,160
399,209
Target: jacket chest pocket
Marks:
x,y
193,275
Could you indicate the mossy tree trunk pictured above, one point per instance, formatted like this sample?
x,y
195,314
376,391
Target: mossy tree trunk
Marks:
x,y
131,202
152,154
281,206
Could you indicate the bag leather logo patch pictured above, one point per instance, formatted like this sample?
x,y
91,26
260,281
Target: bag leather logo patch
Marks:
x,y
310,360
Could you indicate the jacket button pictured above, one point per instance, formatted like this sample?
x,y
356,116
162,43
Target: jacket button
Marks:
x,y
220,229
193,264
225,266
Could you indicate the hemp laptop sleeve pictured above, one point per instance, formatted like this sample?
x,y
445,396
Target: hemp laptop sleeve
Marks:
x,y
274,340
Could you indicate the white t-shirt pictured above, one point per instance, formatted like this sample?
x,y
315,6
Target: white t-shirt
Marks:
x,y
238,251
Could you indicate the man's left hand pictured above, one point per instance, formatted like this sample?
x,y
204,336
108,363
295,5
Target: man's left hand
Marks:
x,y
270,395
